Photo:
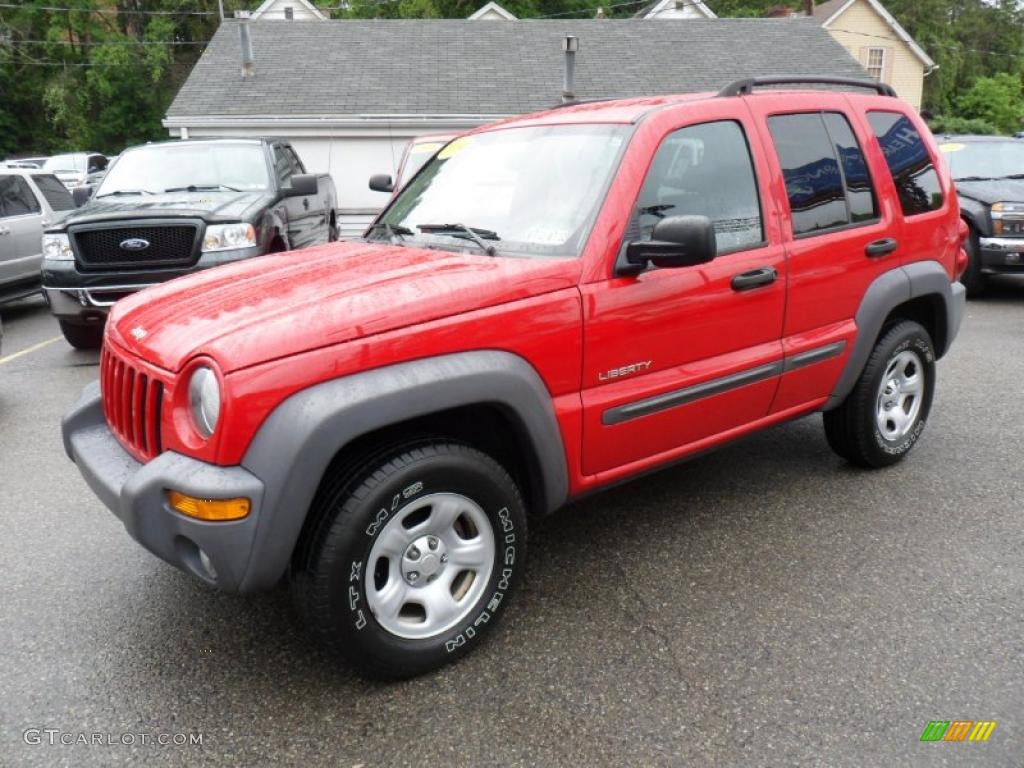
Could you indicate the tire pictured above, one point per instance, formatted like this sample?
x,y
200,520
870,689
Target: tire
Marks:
x,y
82,336
332,231
379,578
883,417
973,280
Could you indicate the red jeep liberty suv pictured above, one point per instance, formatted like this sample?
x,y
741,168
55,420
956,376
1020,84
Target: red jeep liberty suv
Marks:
x,y
551,304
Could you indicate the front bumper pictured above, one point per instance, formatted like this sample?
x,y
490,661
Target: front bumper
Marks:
x,y
1001,255
136,494
86,297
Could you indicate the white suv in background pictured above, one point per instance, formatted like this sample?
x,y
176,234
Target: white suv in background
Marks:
x,y
30,201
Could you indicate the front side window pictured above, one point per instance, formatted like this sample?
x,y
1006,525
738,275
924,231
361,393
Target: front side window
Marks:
x,y
705,170
200,166
911,166
16,199
524,191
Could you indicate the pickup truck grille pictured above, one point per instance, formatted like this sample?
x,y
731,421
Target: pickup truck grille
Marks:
x,y
132,403
172,245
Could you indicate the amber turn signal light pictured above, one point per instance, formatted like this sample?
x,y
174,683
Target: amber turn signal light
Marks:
x,y
209,509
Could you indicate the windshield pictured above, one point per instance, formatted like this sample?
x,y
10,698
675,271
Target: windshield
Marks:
x,y
73,163
526,191
984,159
205,166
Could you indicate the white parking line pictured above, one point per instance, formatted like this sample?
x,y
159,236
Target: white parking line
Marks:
x,y
33,348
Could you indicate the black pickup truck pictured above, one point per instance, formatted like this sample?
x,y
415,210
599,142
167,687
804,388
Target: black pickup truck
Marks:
x,y
170,208
989,175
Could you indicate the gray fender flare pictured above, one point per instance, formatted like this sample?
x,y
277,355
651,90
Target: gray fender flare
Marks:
x,y
888,291
295,445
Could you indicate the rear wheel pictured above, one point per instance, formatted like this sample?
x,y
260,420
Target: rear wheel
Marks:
x,y
82,336
413,558
883,417
332,230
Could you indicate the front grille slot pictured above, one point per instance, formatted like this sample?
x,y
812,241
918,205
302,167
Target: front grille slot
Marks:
x,y
168,246
132,403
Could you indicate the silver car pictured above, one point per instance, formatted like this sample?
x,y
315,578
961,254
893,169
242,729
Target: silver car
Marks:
x,y
30,201
78,169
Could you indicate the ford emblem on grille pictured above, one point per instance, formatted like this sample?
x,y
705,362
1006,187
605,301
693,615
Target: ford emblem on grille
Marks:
x,y
134,244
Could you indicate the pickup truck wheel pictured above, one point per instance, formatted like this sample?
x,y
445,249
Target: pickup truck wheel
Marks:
x,y
885,414
973,280
412,561
332,231
82,336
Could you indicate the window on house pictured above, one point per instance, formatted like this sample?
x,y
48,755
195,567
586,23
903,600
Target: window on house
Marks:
x,y
289,12
876,63
911,166
705,170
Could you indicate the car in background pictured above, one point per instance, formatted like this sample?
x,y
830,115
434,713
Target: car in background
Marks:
x,y
989,175
30,201
78,169
170,208
24,162
416,154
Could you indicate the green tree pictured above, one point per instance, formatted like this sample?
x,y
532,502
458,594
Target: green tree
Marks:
x,y
997,100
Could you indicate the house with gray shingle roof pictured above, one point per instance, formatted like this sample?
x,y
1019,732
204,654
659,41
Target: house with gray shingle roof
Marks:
x,y
350,94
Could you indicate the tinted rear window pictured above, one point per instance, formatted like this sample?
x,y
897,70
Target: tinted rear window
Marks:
x,y
912,170
55,193
814,183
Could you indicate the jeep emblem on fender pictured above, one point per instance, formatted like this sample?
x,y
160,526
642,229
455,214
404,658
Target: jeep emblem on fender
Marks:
x,y
134,244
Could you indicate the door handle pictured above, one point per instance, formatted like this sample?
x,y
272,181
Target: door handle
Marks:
x,y
755,278
881,247
305,203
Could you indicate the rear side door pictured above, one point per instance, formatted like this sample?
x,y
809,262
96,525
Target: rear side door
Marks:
x,y
674,357
840,231
21,230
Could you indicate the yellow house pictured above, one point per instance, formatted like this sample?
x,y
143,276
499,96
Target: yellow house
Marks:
x,y
879,43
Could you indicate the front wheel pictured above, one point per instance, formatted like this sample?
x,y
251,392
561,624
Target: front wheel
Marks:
x,y
413,558
973,280
82,336
883,417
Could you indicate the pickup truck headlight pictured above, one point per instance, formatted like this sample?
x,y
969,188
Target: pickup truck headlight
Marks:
x,y
226,237
204,400
1008,219
57,248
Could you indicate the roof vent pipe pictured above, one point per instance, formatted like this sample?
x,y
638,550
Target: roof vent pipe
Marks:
x,y
570,44
248,62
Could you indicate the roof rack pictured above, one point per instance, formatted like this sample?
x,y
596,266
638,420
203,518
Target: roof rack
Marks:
x,y
746,86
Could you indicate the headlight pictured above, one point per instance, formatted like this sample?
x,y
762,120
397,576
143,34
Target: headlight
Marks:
x,y
204,400
224,237
57,248
1008,218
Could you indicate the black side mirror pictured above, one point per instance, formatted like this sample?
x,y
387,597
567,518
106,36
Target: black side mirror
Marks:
x,y
382,182
81,195
303,184
677,241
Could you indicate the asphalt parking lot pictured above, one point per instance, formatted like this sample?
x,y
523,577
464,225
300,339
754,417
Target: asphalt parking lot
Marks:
x,y
765,605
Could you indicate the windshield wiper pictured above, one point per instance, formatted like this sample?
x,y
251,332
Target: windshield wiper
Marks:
x,y
201,188
975,178
391,230
117,192
475,234
655,210
1013,176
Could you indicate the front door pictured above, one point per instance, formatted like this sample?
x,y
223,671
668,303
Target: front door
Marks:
x,y
674,357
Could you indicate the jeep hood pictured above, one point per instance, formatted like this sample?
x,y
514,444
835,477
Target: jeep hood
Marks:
x,y
280,305
211,206
995,191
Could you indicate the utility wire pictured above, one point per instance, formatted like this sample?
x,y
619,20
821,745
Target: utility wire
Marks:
x,y
110,42
115,11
